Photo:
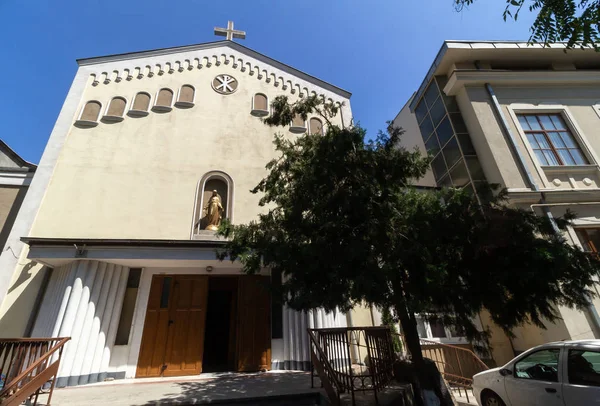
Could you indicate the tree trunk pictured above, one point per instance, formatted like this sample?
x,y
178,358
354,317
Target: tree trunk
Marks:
x,y
427,376
413,344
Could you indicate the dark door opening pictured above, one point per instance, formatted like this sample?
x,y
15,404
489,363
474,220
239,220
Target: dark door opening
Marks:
x,y
219,339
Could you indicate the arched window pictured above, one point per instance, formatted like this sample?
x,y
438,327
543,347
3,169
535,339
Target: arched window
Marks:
x,y
316,126
298,125
116,110
186,96
89,115
164,100
141,105
205,218
260,105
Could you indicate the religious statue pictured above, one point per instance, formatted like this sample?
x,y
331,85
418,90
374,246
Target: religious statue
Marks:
x,y
214,211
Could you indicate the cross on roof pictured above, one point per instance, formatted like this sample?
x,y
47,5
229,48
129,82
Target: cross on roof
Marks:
x,y
229,32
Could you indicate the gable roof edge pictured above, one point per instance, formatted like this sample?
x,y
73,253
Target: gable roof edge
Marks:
x,y
215,44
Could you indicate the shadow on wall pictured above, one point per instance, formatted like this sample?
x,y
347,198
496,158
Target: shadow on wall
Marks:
x,y
238,386
17,319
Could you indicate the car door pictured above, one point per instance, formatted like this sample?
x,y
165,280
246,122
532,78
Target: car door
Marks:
x,y
535,380
581,373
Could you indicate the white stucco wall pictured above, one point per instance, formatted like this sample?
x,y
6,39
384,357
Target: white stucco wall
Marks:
x,y
138,178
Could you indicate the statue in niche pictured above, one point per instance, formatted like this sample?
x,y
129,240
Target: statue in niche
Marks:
x,y
214,212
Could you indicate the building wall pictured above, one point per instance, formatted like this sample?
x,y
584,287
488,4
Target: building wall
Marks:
x,y
412,139
579,107
138,178
11,198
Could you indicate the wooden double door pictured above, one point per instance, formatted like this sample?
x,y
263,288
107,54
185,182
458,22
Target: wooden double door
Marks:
x,y
175,325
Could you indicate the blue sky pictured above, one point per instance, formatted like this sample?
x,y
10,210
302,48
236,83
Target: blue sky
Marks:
x,y
379,50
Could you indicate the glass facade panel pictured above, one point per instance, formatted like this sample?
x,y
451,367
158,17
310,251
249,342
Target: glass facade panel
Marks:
x,y
432,145
457,164
465,144
437,112
439,166
459,174
475,168
451,152
444,131
426,128
445,182
458,123
421,111
431,94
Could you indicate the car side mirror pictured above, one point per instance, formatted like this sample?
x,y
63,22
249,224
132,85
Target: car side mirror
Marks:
x,y
505,371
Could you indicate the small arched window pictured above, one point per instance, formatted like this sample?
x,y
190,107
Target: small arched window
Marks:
x,y
186,96
116,110
141,105
260,105
316,126
298,125
90,114
164,100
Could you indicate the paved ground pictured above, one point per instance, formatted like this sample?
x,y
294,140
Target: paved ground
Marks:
x,y
209,388
164,391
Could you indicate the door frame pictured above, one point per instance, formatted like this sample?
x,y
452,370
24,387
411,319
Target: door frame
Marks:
x,y
139,315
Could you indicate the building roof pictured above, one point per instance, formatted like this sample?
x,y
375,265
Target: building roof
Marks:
x,y
453,51
215,44
16,158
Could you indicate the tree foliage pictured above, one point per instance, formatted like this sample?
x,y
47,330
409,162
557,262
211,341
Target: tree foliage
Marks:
x,y
343,225
576,22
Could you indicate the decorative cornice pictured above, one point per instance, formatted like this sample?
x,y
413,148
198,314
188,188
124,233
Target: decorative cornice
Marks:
x,y
262,71
460,78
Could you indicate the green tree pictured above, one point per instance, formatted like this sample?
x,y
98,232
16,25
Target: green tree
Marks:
x,y
576,22
343,226
388,320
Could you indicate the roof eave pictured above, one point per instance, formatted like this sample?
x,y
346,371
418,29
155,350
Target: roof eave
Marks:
x,y
207,45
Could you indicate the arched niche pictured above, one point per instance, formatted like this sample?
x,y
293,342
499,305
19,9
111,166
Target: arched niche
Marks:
x,y
223,184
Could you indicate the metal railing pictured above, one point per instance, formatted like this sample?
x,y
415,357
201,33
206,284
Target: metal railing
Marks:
x,y
456,364
350,360
26,366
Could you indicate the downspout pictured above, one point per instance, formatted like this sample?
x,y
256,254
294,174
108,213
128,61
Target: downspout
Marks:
x,y
593,316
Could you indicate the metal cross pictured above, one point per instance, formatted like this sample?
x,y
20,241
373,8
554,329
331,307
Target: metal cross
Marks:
x,y
229,32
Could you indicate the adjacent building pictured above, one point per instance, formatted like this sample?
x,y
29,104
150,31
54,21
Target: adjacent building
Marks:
x,y
15,177
525,117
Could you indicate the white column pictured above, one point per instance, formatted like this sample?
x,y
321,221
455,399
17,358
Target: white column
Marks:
x,y
43,325
83,301
71,355
66,328
286,335
90,350
114,321
88,320
111,296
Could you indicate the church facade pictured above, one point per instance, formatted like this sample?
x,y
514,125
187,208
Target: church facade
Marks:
x,y
114,243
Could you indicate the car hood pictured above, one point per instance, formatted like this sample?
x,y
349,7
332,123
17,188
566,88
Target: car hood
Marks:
x,y
489,372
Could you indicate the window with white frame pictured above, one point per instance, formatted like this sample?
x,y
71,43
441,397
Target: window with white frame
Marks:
x,y
551,139
436,329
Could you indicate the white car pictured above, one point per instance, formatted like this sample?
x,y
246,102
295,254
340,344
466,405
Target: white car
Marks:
x,y
565,373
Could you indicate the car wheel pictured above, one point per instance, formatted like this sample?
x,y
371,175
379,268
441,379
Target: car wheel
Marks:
x,y
489,398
